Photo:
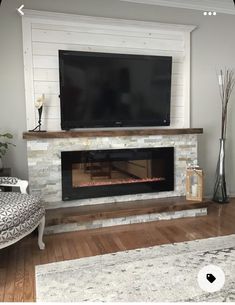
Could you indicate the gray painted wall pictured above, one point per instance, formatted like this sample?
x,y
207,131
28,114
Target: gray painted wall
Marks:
x,y
213,47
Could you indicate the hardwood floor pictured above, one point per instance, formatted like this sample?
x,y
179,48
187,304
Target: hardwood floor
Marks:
x,y
17,262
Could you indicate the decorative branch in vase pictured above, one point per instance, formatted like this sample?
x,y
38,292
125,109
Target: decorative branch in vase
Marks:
x,y
39,105
226,86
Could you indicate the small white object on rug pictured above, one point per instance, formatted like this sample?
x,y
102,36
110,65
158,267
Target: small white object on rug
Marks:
x,y
156,274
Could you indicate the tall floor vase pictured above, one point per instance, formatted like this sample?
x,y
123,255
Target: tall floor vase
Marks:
x,y
220,191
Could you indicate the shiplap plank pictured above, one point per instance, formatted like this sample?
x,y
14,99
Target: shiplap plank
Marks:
x,y
51,49
177,101
177,90
177,112
46,87
177,123
100,30
46,74
51,124
105,40
177,79
177,68
46,62
51,112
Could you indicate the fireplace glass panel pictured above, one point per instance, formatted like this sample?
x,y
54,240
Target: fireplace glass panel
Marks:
x,y
115,172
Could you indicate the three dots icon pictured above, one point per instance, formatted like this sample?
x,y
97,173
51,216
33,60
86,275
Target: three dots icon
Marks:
x,y
209,13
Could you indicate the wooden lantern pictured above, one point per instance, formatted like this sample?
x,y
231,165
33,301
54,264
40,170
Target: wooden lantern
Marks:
x,y
194,184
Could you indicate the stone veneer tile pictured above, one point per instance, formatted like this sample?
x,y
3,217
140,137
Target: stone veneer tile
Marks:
x,y
101,223
44,163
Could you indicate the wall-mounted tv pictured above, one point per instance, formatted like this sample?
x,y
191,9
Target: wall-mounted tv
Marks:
x,y
114,90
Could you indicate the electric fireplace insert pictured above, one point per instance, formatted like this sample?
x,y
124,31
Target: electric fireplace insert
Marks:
x,y
100,173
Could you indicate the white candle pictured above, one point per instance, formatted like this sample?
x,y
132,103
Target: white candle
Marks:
x,y
194,190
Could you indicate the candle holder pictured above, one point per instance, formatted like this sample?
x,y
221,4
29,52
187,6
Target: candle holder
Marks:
x,y
38,127
194,184
39,105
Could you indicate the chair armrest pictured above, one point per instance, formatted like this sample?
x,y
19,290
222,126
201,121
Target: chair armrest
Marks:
x,y
12,181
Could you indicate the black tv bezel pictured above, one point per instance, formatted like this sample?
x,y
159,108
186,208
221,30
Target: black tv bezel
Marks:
x,y
67,125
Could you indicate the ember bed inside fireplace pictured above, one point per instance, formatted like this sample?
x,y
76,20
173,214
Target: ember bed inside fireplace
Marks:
x,y
100,173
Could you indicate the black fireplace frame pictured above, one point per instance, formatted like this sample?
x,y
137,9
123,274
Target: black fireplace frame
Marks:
x,y
71,193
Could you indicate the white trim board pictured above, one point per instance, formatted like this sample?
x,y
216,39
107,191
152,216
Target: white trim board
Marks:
x,y
220,6
44,33
72,19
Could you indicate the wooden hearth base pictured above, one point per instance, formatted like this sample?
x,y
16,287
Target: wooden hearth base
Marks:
x,y
85,216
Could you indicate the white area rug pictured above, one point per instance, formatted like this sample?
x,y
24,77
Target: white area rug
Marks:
x,y
160,273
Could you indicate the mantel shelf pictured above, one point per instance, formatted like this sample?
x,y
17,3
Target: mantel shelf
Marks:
x,y
109,133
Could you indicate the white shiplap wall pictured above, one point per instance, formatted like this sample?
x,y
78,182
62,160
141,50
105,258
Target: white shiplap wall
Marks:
x,y
45,33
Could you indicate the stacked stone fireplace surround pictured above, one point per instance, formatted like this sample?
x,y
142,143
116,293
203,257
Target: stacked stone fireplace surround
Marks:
x,y
44,164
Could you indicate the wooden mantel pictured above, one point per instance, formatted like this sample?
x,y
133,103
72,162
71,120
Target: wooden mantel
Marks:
x,y
109,133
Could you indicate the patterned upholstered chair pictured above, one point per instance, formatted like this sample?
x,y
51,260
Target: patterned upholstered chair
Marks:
x,y
20,213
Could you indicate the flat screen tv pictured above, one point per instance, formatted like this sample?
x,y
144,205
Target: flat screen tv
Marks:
x,y
114,90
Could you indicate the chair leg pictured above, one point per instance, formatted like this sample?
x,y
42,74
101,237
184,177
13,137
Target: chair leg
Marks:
x,y
40,233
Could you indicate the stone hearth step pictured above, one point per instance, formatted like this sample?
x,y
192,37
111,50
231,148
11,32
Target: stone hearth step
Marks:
x,y
121,213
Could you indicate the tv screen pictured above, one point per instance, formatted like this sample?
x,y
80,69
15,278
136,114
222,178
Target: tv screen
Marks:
x,y
110,90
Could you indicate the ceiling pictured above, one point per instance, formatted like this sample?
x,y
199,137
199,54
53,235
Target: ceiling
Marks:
x,y
219,6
